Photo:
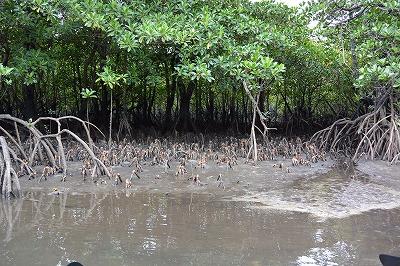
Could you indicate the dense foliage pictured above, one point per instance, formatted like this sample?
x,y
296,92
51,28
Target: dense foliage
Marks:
x,y
371,30
180,64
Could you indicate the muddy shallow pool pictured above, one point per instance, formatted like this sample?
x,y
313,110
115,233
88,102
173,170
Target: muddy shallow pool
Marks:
x,y
321,220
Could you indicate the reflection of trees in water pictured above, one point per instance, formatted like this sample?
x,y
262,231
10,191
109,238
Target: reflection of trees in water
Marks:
x,y
95,201
148,224
9,214
43,207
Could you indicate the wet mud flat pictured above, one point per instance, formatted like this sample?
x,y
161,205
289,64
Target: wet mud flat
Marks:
x,y
319,215
213,178
325,189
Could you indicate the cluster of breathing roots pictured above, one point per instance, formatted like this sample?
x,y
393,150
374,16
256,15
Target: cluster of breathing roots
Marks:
x,y
28,147
190,154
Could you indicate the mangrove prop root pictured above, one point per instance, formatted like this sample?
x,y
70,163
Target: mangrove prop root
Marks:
x,y
8,177
49,152
375,134
256,111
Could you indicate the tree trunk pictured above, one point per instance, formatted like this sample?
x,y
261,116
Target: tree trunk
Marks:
x,y
210,107
170,89
111,116
170,103
198,106
185,123
29,107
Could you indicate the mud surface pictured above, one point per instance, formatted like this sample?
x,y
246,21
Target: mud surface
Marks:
x,y
237,180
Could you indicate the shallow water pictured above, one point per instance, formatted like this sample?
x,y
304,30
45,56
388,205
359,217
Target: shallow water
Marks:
x,y
142,228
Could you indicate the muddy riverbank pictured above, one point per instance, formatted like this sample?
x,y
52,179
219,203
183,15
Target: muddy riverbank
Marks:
x,y
213,178
327,189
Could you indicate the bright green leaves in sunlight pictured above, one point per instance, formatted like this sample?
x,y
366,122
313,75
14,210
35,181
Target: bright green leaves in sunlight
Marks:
x,y
250,63
110,78
193,71
4,72
94,20
370,30
88,93
380,72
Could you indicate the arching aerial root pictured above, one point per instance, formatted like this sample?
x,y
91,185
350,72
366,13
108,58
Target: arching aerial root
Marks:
x,y
8,177
375,134
48,147
253,151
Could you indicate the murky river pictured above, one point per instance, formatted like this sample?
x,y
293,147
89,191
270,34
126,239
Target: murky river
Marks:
x,y
306,223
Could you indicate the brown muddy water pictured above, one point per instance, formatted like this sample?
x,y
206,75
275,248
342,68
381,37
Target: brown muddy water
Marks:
x,y
322,219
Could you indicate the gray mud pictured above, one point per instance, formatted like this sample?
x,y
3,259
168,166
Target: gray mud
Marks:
x,y
330,195
243,177
323,190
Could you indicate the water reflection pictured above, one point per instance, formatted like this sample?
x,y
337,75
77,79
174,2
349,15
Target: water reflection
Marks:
x,y
159,229
9,214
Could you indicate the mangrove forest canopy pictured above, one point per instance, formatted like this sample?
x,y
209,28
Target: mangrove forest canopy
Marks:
x,y
209,66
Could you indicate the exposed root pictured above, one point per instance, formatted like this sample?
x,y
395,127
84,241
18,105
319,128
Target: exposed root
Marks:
x,y
256,111
375,134
48,147
8,176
